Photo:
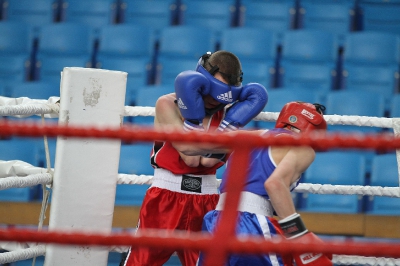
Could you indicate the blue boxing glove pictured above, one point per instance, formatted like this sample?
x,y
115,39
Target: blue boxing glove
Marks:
x,y
251,102
190,87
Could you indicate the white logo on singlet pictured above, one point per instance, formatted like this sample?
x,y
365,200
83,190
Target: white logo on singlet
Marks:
x,y
307,114
227,96
307,258
181,105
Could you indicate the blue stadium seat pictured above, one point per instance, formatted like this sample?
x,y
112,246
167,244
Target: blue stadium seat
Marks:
x,y
95,13
137,69
156,14
385,173
2,10
66,38
114,258
3,90
357,103
25,194
309,45
262,72
173,261
250,42
257,49
345,102
371,62
134,159
186,41
372,47
395,106
309,59
42,160
147,96
382,79
215,15
336,168
126,40
63,45
34,89
35,13
49,67
23,150
316,75
278,16
380,15
28,262
16,47
17,37
168,68
332,16
278,97
129,48
179,46
14,68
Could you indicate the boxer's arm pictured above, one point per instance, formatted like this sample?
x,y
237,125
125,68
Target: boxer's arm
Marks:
x,y
167,117
211,161
291,163
211,148
252,99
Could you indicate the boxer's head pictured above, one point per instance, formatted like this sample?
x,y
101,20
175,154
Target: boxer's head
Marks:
x,y
303,116
229,67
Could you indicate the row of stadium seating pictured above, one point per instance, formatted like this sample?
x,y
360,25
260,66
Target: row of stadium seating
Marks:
x,y
310,59
335,15
335,167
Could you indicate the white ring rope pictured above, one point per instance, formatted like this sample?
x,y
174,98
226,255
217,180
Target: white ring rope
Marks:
x,y
28,181
348,190
359,260
22,254
31,180
40,250
135,179
25,107
382,122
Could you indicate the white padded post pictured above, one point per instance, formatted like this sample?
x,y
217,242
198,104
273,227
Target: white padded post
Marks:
x,y
86,170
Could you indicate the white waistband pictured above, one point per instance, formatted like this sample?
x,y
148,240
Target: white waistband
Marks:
x,y
199,184
249,202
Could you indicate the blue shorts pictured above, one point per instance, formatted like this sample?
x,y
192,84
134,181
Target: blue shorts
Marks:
x,y
249,224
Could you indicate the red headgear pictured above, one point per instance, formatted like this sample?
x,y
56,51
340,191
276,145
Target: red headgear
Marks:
x,y
304,116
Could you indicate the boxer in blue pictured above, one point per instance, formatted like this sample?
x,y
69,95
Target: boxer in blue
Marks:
x,y
273,173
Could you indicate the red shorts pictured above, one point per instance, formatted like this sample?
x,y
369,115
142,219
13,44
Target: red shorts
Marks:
x,y
165,209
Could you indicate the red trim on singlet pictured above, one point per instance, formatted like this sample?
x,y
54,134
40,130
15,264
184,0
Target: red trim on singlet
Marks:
x,y
165,156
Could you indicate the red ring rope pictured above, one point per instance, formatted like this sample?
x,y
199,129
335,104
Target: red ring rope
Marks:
x,y
319,141
200,241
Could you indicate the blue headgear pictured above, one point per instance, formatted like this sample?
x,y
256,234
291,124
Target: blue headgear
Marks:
x,y
220,91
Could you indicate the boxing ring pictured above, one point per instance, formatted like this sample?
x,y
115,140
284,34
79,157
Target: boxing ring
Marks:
x,y
91,117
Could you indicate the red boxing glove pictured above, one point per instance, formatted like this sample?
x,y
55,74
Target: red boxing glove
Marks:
x,y
293,227
312,259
